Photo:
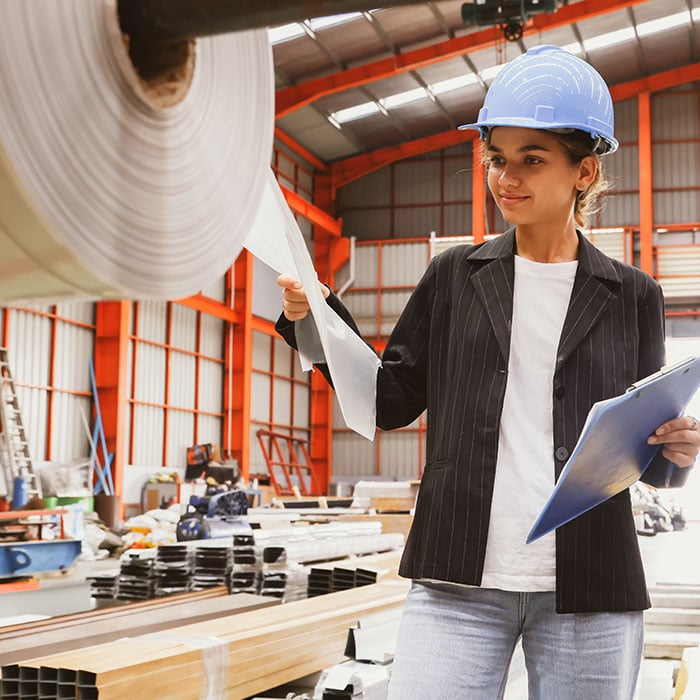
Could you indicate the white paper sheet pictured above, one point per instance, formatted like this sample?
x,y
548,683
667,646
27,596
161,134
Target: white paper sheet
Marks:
x,y
277,241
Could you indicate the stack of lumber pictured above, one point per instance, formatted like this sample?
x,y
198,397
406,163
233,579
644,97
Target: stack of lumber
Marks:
x,y
673,623
79,630
248,653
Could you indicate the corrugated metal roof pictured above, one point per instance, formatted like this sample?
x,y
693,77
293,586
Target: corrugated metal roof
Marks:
x,y
372,36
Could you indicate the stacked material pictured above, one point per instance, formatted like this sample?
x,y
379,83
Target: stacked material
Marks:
x,y
352,573
29,640
232,657
137,579
288,583
212,566
673,623
173,568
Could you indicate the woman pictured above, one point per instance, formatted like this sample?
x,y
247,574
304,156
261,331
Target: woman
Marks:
x,y
508,344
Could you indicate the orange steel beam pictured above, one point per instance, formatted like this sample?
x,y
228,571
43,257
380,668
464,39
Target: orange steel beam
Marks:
x,y
111,350
299,149
211,307
654,83
291,98
262,325
478,197
646,187
346,171
313,213
242,362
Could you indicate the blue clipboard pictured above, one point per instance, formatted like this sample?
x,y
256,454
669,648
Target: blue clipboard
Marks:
x,y
612,451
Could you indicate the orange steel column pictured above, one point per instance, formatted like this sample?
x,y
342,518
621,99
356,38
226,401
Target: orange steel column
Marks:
x,y
478,194
241,364
646,186
111,349
330,254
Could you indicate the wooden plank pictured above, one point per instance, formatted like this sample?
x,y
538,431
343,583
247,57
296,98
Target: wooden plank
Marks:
x,y
29,642
264,647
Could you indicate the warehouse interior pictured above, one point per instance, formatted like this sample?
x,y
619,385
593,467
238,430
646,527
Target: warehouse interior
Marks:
x,y
174,448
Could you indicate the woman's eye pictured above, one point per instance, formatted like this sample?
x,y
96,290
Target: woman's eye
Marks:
x,y
496,161
533,160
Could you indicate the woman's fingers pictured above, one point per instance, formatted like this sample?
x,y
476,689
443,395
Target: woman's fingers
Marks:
x,y
295,302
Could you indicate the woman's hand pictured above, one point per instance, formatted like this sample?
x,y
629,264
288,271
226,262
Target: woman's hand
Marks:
x,y
295,304
680,438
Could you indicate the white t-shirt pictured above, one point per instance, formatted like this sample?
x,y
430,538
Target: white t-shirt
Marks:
x,y
525,463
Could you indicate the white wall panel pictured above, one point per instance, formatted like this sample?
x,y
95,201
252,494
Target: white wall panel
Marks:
x,y
619,210
281,409
261,351
183,327
182,380
626,122
211,386
260,397
371,190
283,356
366,266
675,164
366,224
150,374
83,311
674,115
301,406
180,437
458,179
209,429
413,222
458,220
417,181
69,439
622,168
152,320
352,456
399,454
212,336
403,263
257,459
149,422
676,207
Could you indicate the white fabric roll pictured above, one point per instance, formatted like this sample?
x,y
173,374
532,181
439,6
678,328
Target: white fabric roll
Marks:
x,y
104,194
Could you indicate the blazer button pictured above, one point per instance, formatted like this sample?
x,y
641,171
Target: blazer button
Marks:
x,y
559,391
562,454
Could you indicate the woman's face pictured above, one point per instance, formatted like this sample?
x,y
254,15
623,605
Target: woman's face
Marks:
x,y
531,178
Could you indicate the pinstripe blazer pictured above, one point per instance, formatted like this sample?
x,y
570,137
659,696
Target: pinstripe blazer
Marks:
x,y
449,353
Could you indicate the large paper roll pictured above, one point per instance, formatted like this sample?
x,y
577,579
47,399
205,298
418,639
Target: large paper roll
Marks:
x,y
116,186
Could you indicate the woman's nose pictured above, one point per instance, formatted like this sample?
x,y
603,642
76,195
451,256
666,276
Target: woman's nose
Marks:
x,y
509,174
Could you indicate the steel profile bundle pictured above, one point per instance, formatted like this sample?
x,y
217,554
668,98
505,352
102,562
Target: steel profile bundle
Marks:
x,y
240,655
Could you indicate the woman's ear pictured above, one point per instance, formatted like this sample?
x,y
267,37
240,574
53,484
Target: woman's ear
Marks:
x,y
587,169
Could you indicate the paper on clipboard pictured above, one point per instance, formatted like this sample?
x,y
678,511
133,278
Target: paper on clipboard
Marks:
x,y
612,451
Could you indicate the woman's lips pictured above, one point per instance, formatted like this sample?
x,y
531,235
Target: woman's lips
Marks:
x,y
511,199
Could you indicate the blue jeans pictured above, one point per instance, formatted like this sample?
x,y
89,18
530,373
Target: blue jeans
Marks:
x,y
456,643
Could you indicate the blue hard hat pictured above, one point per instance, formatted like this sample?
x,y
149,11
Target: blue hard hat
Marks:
x,y
550,88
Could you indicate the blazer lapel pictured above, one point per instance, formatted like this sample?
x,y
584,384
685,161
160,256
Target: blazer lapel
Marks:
x,y
589,297
494,286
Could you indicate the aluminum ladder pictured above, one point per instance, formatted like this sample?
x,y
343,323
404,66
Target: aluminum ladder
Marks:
x,y
14,446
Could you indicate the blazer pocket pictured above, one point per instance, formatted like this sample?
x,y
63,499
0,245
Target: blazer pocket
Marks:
x,y
436,466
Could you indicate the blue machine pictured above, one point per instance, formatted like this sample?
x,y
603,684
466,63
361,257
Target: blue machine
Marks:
x,y
219,514
33,557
